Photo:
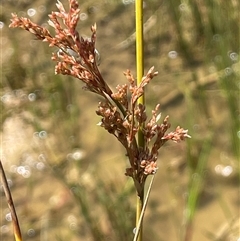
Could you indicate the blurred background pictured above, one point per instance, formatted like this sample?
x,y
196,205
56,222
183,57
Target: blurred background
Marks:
x,y
67,174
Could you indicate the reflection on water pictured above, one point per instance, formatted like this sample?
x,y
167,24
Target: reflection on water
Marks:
x,y
173,54
126,2
32,97
233,56
224,171
228,71
31,12
83,16
72,222
42,134
31,232
8,217
4,229
1,25
42,9
40,166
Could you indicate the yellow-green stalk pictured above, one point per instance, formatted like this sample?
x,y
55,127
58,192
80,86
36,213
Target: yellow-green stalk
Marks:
x,y
139,70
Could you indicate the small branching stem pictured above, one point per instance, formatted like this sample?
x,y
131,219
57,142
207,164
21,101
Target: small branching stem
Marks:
x,y
143,208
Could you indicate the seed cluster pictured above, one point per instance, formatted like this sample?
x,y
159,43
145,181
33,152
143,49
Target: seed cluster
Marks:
x,y
121,114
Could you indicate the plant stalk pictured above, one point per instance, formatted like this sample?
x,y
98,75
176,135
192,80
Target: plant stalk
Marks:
x,y
139,70
139,45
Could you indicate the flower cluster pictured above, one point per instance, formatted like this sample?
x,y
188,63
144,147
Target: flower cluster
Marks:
x,y
121,114
77,56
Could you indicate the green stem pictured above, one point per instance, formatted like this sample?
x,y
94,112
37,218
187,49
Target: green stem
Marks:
x,y
139,44
140,67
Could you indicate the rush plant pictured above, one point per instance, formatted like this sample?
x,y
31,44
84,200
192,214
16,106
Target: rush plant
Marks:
x,y
122,114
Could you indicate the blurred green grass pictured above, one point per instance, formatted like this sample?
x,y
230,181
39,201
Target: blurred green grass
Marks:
x,y
195,47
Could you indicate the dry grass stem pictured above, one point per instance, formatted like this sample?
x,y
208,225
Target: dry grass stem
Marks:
x,y
16,226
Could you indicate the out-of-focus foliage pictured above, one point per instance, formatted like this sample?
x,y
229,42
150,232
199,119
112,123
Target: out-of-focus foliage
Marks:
x,y
68,177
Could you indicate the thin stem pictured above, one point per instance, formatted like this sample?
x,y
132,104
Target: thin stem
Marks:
x,y
139,66
139,208
143,208
139,40
16,227
139,44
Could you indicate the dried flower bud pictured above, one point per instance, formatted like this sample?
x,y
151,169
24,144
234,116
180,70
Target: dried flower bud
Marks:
x,y
178,135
